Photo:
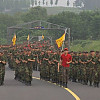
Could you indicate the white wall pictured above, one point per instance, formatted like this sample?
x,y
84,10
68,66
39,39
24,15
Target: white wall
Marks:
x,y
60,3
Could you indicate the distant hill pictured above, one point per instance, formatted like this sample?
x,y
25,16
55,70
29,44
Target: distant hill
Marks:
x,y
85,45
50,10
56,10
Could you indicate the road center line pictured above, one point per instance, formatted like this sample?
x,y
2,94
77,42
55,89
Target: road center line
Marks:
x,y
72,93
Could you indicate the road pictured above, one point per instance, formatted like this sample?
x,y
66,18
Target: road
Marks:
x,y
42,90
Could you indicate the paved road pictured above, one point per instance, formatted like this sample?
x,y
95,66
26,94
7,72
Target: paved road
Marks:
x,y
41,90
85,92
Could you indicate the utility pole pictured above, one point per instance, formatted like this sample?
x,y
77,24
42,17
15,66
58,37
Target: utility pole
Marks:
x,y
69,39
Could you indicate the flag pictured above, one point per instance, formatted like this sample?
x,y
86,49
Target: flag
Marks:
x,y
60,40
28,37
42,36
14,40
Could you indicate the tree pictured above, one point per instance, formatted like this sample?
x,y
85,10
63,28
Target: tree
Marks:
x,y
5,21
82,25
36,13
95,26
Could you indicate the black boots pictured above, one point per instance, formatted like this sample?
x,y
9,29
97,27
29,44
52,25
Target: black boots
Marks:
x,y
65,84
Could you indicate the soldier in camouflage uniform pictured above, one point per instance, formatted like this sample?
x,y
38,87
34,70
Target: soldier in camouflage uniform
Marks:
x,y
17,66
86,70
47,65
57,62
91,67
83,68
74,67
79,68
97,70
54,68
29,67
42,62
23,71
2,68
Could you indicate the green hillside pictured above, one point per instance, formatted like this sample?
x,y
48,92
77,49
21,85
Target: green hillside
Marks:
x,y
56,10
85,45
50,10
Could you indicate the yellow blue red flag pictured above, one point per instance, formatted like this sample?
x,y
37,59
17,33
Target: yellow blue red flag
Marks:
x,y
14,40
28,37
60,40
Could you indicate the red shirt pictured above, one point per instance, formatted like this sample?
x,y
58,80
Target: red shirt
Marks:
x,y
65,59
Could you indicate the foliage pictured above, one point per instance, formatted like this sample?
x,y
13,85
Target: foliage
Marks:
x,y
5,21
85,45
37,13
84,25
56,10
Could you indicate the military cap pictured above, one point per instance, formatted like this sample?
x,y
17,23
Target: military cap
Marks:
x,y
80,52
97,52
92,51
66,49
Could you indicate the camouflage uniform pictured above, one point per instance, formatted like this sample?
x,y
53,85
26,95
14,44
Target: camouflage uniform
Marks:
x,y
54,67
74,67
91,69
42,63
97,71
2,68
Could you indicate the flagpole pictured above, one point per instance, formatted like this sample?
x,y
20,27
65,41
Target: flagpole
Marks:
x,y
64,40
69,39
63,46
28,42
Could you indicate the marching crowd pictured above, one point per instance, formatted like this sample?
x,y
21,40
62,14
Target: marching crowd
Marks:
x,y
54,65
